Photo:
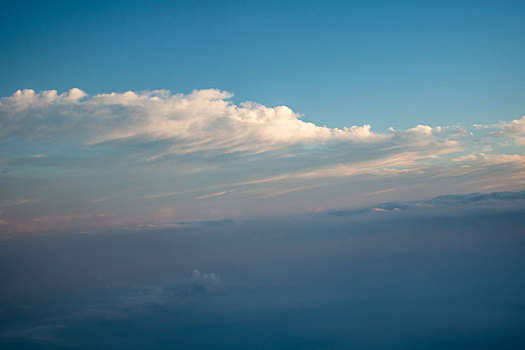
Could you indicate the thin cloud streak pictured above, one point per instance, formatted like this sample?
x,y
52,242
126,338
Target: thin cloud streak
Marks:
x,y
217,194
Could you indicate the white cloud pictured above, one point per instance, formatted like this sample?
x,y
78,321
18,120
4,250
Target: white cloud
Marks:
x,y
202,120
216,194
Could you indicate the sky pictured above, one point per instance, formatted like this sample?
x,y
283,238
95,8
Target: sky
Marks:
x,y
262,174
131,113
385,63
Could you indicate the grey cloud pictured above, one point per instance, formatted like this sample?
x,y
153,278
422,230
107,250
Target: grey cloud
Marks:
x,y
452,199
445,201
205,283
198,285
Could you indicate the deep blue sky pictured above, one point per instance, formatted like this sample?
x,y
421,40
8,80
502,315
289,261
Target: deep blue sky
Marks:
x,y
339,63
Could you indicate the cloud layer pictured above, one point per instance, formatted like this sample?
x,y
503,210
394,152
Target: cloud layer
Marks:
x,y
202,120
74,160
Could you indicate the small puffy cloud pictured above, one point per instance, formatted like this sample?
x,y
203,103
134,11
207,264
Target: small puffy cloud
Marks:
x,y
204,283
198,285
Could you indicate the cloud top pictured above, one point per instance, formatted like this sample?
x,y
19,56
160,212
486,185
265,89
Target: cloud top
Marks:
x,y
202,120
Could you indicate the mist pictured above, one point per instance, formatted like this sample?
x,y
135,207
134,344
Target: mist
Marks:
x,y
448,273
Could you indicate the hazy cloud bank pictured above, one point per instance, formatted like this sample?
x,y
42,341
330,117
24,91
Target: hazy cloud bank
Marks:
x,y
476,201
424,272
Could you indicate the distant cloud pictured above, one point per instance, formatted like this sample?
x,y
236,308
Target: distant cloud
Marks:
x,y
464,158
216,194
453,199
198,285
205,282
493,159
514,129
118,304
450,202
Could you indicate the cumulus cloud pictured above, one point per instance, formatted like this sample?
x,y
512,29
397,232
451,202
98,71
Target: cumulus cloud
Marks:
x,y
201,120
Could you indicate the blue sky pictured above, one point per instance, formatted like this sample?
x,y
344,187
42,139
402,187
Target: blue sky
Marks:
x,y
338,62
125,113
